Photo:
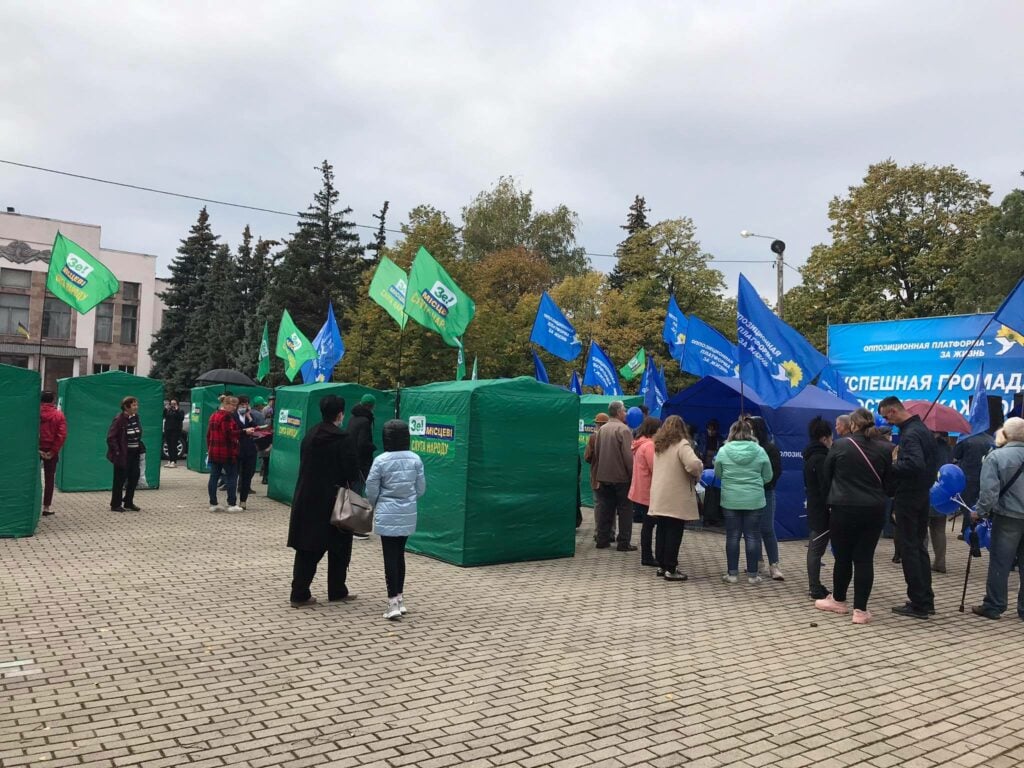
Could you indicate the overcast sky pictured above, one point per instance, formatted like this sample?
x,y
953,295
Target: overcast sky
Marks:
x,y
739,115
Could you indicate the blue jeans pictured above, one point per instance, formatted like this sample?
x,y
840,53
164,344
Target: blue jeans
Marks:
x,y
771,541
748,523
230,472
1007,545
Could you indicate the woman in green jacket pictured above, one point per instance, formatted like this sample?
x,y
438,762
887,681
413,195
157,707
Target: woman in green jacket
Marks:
x,y
744,469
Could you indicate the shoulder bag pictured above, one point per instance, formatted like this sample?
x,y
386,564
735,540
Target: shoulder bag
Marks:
x,y
352,512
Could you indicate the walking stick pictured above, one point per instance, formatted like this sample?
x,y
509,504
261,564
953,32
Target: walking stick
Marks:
x,y
975,552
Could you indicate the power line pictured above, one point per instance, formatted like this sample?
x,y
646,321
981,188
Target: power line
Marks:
x,y
198,198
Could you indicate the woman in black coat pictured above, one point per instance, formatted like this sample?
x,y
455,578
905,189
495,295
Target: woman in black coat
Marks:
x,y
327,461
820,433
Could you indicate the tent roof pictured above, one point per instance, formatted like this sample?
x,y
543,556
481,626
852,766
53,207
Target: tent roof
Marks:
x,y
811,397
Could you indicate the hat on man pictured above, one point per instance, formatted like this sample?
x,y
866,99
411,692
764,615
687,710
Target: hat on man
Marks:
x,y
601,418
258,402
368,399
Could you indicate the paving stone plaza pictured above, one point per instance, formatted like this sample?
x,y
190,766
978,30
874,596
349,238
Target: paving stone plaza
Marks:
x,y
165,638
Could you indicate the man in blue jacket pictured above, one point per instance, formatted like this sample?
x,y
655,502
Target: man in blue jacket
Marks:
x,y
914,466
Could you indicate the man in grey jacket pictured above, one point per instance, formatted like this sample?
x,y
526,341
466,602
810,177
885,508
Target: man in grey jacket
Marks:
x,y
612,469
1002,497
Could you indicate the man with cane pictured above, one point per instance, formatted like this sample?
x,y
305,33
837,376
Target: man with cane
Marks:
x,y
1002,497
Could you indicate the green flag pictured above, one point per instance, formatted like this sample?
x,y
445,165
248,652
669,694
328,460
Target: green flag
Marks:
x,y
434,300
460,367
635,366
388,289
473,376
264,367
292,346
77,277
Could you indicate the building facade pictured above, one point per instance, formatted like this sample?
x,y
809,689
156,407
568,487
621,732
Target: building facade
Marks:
x,y
39,331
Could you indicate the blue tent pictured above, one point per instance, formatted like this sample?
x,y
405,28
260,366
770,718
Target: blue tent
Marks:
x,y
715,397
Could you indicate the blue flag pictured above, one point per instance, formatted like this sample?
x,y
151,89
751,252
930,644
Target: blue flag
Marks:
x,y
775,360
653,389
601,372
553,332
978,417
1011,311
538,369
574,384
832,381
707,352
674,331
329,350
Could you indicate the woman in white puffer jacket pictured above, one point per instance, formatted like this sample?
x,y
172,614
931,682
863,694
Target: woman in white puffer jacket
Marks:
x,y
395,482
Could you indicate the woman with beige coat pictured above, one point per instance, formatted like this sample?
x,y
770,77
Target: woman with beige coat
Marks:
x,y
673,493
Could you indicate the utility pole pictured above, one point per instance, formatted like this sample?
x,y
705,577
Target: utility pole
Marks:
x,y
778,248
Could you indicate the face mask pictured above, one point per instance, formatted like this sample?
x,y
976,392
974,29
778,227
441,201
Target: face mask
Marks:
x,y
242,409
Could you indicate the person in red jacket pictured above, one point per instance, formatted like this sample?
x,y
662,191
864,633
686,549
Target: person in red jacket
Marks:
x,y
222,435
53,431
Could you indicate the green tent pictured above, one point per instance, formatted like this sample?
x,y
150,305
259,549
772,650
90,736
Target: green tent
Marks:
x,y
501,480
20,482
298,408
590,406
90,404
204,403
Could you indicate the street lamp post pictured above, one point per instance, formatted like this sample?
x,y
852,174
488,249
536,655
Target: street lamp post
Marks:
x,y
778,248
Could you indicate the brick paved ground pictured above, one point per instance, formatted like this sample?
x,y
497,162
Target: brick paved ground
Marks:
x,y
165,638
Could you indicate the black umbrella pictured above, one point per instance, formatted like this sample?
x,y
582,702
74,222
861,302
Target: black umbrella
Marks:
x,y
225,376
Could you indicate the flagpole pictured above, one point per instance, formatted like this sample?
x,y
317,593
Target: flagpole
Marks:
x,y
398,388
742,406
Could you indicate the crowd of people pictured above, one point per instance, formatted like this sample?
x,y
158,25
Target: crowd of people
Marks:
x,y
856,479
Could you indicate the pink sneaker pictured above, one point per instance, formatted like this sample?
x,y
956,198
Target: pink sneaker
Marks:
x,y
830,604
861,617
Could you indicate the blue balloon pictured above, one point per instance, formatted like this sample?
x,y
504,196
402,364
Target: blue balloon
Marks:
x,y
709,479
634,417
938,495
948,507
952,478
984,534
880,421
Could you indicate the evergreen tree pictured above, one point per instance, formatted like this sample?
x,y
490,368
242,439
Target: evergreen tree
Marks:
x,y
177,349
218,318
322,262
255,265
636,227
380,239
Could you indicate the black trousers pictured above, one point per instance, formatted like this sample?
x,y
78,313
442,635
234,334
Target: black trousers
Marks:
x,y
171,441
613,502
126,479
647,525
246,469
855,532
668,541
394,563
912,528
339,554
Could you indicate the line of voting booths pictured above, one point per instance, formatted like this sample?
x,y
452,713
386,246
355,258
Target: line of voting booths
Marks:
x,y
89,404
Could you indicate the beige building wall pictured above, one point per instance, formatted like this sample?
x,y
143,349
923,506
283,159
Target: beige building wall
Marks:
x,y
25,243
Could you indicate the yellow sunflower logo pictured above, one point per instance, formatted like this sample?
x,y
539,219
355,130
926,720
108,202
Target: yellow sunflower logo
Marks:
x,y
1006,338
792,372
680,339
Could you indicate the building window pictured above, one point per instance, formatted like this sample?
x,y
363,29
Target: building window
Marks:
x,y
129,323
15,278
129,291
13,310
15,360
126,368
56,319
105,322
100,367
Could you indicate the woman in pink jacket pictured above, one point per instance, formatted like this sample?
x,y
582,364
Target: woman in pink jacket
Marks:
x,y
640,488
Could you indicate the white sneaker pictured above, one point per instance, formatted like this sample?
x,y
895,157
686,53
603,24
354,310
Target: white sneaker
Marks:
x,y
756,579
216,508
234,509
401,605
394,612
775,572
730,579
